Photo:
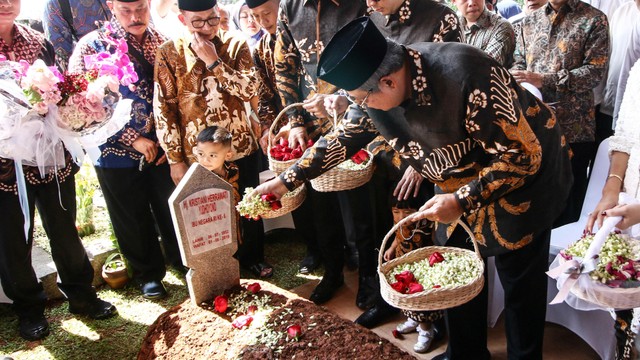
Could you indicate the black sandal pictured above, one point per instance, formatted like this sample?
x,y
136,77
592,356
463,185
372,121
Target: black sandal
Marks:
x,y
262,270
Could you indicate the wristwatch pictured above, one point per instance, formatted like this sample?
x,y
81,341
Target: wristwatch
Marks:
x,y
214,64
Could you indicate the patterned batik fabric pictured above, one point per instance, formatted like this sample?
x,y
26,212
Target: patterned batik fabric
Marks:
x,y
30,45
306,26
570,48
87,16
188,97
118,151
492,34
472,131
419,21
269,103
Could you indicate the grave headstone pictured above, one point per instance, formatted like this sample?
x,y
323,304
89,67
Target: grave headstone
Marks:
x,y
204,216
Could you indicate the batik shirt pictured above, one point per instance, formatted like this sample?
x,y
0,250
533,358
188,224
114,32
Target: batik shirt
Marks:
x,y
492,34
87,14
473,132
269,103
306,27
570,48
30,45
189,97
419,21
415,21
118,151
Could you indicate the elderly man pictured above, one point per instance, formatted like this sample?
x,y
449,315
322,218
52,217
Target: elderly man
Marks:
x,y
563,51
66,21
487,30
132,170
494,152
53,193
203,78
406,22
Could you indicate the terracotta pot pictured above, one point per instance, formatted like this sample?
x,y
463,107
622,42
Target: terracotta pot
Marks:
x,y
114,271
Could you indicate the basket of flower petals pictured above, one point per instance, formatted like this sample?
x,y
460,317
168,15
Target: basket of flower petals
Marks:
x,y
432,277
267,206
349,174
611,280
280,155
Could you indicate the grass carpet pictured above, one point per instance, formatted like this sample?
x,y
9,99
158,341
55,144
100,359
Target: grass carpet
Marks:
x,y
119,338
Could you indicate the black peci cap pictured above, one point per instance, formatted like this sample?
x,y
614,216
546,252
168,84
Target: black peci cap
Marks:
x,y
196,5
255,3
354,53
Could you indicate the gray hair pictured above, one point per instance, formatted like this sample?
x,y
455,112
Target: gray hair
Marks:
x,y
392,62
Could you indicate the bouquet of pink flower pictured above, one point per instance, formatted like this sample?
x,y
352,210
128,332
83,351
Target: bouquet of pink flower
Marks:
x,y
84,100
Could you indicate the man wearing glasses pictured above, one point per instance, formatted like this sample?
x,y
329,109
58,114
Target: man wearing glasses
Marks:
x,y
132,169
203,78
495,153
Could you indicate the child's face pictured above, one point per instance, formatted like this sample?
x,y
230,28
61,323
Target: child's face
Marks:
x,y
212,155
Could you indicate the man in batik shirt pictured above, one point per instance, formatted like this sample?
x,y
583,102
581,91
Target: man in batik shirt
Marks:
x,y
563,50
306,26
204,78
406,22
132,169
493,150
487,30
55,197
66,21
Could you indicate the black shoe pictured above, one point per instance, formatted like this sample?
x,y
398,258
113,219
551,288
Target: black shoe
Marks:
x,y
97,309
309,264
34,327
368,290
442,356
325,289
376,315
153,290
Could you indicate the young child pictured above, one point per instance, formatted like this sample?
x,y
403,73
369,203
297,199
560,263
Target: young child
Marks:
x,y
213,151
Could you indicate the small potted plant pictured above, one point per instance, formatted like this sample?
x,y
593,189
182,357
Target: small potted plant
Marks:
x,y
114,271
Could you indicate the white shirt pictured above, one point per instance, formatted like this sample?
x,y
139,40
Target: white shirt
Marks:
x,y
625,50
170,26
608,7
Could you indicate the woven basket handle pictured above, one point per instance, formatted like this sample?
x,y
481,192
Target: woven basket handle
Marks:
x,y
275,122
400,223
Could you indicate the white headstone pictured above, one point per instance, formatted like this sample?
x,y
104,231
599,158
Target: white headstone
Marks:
x,y
204,216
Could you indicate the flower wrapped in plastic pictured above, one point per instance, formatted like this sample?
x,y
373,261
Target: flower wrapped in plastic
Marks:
x,y
599,271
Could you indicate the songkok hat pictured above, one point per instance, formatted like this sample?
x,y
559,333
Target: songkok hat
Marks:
x,y
354,53
252,4
196,5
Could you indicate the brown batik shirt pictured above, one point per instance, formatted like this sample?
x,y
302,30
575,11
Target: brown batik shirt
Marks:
x,y
188,97
473,132
570,48
306,26
30,45
269,103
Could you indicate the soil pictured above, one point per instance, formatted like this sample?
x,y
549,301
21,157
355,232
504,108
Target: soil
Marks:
x,y
187,331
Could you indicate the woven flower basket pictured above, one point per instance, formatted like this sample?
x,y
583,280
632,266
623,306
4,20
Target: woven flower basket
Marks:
x,y
278,166
290,201
339,179
429,299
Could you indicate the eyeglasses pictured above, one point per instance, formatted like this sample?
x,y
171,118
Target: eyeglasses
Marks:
x,y
212,21
355,101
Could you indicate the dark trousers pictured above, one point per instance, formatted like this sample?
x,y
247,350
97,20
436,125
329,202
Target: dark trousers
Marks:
x,y
329,230
18,278
583,155
138,201
357,216
522,273
305,223
251,251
